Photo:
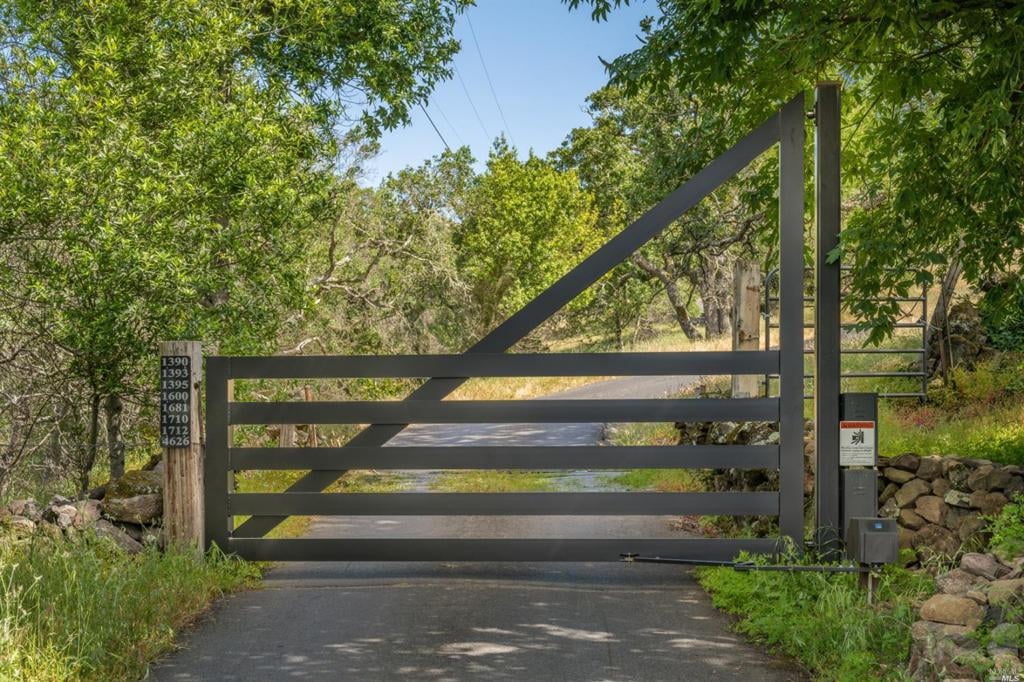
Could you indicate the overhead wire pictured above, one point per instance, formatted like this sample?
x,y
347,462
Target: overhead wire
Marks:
x,y
434,126
490,83
453,128
472,106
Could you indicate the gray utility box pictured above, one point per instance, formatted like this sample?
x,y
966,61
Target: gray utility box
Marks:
x,y
872,541
860,494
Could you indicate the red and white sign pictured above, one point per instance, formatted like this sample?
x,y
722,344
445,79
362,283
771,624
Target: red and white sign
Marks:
x,y
857,443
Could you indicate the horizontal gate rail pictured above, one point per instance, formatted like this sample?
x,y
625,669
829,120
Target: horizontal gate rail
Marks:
x,y
505,411
532,458
505,504
486,549
504,365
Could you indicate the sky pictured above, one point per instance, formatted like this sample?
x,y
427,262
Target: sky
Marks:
x,y
543,62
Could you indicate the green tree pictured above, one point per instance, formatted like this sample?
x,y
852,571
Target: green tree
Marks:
x,y
932,123
164,165
524,224
637,150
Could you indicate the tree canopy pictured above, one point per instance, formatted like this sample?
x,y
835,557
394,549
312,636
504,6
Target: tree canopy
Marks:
x,y
164,164
933,115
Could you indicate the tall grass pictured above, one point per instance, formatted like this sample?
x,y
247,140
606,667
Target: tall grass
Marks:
x,y
86,611
823,620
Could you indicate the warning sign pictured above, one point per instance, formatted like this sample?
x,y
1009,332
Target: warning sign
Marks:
x,y
857,443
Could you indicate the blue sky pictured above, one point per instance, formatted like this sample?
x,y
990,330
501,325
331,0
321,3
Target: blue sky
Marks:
x,y
543,62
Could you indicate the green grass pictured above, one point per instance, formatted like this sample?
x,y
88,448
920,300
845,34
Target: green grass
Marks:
x,y
494,482
823,620
980,414
86,611
665,480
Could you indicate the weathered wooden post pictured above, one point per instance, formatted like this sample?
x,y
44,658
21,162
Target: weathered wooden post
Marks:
x,y
746,322
182,440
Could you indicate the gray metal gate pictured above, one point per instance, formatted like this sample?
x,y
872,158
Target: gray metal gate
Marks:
x,y
488,358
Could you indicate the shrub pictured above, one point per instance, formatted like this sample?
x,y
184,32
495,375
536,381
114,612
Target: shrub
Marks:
x,y
1007,528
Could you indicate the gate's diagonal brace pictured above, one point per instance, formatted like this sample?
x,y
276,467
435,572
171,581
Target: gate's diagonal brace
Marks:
x,y
552,299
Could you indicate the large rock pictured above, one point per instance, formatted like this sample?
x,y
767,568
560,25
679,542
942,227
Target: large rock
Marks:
x,y
983,565
135,483
1015,486
27,508
931,508
957,581
940,486
60,515
930,468
989,503
978,479
958,498
106,529
20,526
957,474
1005,592
887,493
88,513
141,509
953,610
910,519
898,475
935,541
971,528
907,461
935,648
890,509
910,491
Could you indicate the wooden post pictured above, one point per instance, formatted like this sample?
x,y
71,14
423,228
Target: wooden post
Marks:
x,y
746,322
181,362
312,440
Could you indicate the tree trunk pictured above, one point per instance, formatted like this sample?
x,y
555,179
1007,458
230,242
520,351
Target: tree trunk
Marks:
x,y
94,436
937,324
672,291
715,294
114,409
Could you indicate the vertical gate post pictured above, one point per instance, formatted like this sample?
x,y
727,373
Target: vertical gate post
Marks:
x,y
746,322
791,322
181,437
217,480
827,322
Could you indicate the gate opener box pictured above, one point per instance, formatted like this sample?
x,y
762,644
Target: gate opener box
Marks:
x,y
872,541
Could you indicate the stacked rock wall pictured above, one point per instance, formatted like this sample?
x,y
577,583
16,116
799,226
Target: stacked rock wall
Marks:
x,y
940,503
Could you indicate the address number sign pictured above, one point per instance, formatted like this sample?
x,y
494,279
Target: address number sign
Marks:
x,y
175,401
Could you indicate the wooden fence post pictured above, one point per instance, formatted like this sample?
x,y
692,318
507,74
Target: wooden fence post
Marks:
x,y
746,322
181,364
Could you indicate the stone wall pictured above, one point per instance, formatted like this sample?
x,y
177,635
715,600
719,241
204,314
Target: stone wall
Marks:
x,y
940,502
128,510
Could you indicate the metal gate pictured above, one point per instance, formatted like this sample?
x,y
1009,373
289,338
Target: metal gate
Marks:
x,y
488,358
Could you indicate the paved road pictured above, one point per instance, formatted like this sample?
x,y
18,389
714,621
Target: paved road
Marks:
x,y
475,621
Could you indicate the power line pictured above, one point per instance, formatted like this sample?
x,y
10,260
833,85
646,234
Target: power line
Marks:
x,y
490,84
432,125
453,128
472,106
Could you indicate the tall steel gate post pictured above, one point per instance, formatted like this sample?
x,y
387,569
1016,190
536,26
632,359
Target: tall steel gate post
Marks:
x,y
827,318
791,321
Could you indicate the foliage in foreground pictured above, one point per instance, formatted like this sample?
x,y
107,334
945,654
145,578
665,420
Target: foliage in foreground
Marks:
x,y
86,611
823,620
1007,529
